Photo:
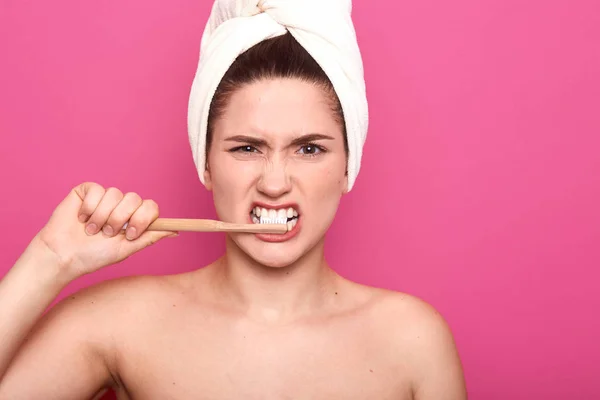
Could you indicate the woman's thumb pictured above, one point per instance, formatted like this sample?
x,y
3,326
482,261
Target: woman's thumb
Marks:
x,y
148,238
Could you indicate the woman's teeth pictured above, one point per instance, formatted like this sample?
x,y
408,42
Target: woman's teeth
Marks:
x,y
287,216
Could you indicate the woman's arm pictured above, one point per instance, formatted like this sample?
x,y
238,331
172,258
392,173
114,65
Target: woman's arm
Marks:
x,y
66,352
63,356
25,292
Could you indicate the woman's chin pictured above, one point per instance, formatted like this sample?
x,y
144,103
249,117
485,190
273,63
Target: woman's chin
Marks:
x,y
273,259
274,254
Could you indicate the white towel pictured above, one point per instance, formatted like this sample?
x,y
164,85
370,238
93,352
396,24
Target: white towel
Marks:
x,y
323,27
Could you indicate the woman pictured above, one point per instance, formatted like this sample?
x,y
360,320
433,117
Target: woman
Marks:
x,y
269,319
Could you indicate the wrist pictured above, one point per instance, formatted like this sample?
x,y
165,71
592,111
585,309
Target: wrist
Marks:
x,y
46,265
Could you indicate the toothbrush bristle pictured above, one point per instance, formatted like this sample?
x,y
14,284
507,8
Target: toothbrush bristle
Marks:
x,y
273,221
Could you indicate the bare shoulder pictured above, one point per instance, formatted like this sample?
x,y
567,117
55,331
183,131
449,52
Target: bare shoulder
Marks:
x,y
123,301
112,315
405,319
108,313
411,316
400,312
420,336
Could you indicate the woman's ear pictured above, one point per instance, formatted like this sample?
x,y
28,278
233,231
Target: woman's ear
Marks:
x,y
207,179
345,183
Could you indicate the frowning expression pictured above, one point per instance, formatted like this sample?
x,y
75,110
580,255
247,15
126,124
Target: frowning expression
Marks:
x,y
277,152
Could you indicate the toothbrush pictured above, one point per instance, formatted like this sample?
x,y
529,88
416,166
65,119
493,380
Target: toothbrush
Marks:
x,y
208,225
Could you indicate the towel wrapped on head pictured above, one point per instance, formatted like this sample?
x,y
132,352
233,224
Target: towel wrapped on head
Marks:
x,y
323,28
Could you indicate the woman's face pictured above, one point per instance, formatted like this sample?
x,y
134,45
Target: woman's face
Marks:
x,y
278,151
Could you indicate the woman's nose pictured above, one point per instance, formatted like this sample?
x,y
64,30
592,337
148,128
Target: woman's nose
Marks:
x,y
274,181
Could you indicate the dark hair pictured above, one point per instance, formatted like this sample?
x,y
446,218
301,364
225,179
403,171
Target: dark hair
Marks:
x,y
278,57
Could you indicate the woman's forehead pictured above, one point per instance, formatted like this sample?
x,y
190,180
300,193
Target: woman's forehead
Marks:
x,y
282,108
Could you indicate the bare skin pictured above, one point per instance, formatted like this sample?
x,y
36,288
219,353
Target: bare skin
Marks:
x,y
266,321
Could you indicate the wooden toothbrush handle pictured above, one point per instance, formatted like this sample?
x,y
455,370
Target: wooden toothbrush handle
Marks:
x,y
209,225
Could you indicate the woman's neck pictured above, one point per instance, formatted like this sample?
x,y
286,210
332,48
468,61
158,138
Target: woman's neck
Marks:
x,y
275,294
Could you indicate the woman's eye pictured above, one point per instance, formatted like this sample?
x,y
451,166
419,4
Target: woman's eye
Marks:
x,y
244,149
310,149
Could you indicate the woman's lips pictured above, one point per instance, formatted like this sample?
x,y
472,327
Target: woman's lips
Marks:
x,y
275,237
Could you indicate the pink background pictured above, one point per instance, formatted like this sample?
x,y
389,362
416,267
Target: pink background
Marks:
x,y
480,187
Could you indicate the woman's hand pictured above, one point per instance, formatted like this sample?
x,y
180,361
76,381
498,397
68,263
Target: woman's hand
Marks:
x,y
85,233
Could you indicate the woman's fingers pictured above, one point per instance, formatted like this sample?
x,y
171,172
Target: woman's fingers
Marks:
x,y
122,213
108,210
137,234
112,197
147,213
90,194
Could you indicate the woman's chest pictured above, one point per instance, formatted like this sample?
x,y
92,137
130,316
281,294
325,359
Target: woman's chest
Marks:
x,y
237,362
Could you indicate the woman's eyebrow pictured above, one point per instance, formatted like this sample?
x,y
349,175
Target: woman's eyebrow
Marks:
x,y
254,141
247,139
311,137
